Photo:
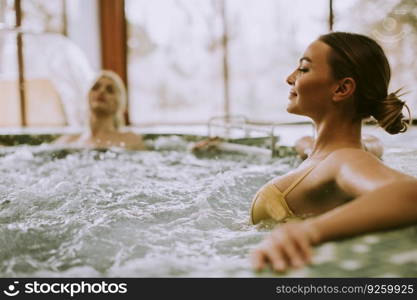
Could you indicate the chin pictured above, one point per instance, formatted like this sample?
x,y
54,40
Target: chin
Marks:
x,y
99,110
291,108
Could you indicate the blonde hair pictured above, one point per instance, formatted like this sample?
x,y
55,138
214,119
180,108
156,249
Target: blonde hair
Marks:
x,y
119,118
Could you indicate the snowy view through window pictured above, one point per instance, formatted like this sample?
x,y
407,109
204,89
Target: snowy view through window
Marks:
x,y
176,53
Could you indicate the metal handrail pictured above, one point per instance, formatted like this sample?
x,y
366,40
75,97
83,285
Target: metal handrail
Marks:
x,y
246,126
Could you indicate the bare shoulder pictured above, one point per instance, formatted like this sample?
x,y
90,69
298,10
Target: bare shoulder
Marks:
x,y
66,139
133,141
357,171
351,156
356,160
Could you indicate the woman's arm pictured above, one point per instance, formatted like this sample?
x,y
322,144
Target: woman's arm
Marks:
x,y
290,245
65,139
134,141
208,144
392,205
385,198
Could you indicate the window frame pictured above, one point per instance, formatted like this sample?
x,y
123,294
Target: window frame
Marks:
x,y
113,35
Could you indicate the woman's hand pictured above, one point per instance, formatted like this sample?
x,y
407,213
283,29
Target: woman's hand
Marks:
x,y
288,246
209,144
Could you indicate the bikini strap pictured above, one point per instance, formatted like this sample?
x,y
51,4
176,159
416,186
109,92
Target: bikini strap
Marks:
x,y
297,181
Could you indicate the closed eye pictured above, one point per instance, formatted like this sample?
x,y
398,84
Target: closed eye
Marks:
x,y
96,86
110,89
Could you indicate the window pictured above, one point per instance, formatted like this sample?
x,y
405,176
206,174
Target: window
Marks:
x,y
394,25
176,57
41,71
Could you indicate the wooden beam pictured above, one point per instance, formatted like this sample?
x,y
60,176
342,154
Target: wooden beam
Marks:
x,y
114,39
20,62
225,48
331,15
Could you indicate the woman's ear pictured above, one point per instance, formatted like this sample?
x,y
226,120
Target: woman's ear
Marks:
x,y
345,89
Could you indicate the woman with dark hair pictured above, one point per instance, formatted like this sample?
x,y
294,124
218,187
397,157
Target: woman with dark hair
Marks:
x,y
339,190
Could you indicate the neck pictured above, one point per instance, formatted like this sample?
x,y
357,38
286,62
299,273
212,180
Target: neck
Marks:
x,y
101,124
336,132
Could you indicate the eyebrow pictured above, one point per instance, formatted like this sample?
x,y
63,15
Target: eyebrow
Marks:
x,y
305,58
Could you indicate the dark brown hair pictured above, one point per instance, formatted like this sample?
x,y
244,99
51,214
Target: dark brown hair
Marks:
x,y
360,57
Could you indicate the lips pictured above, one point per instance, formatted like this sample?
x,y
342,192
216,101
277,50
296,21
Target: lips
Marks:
x,y
293,93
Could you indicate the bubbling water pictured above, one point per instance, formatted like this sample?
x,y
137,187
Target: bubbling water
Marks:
x,y
165,213
69,212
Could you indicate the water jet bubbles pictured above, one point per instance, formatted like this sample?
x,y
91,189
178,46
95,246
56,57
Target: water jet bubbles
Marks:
x,y
170,143
403,258
350,265
112,153
360,248
371,239
20,155
63,187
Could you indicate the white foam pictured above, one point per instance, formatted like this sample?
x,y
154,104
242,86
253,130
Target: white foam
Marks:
x,y
350,265
404,257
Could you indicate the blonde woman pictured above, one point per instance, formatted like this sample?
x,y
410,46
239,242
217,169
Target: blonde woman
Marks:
x,y
107,104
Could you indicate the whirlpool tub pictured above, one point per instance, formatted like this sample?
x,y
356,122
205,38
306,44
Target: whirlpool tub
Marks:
x,y
166,213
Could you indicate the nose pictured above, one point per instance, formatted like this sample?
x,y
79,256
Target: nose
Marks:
x,y
291,78
101,91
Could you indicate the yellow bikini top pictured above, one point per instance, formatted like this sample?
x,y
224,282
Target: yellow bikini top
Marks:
x,y
269,202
